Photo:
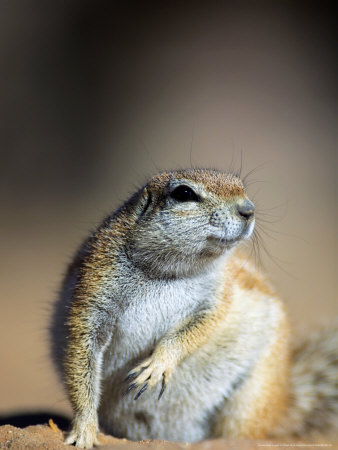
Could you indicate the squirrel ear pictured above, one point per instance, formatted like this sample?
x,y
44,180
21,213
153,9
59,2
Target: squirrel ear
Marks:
x,y
145,202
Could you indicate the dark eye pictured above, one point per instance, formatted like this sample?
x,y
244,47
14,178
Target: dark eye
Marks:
x,y
184,194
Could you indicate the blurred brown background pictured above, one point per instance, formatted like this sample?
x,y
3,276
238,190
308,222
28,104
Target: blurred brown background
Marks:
x,y
96,96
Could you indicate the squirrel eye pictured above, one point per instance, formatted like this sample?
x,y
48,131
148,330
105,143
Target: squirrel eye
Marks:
x,y
184,193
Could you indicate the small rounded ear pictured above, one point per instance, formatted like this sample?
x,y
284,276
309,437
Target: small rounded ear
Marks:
x,y
144,202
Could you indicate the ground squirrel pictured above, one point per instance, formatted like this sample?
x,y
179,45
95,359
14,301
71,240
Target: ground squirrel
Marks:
x,y
163,330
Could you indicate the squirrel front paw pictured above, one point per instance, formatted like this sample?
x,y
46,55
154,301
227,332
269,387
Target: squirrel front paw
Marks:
x,y
149,373
83,434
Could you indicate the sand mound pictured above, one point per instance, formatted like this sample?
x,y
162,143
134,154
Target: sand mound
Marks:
x,y
50,437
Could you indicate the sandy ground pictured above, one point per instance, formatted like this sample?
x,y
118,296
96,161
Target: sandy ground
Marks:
x,y
50,437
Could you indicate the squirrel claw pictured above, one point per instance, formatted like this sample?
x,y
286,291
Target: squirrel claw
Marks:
x,y
135,373
146,375
162,388
144,388
130,376
83,435
129,388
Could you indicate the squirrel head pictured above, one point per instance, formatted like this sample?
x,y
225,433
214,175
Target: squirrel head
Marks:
x,y
187,219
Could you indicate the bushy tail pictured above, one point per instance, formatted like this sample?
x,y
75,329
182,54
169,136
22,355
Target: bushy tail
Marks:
x,y
313,406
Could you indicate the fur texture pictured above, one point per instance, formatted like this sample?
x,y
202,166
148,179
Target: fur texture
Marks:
x,y
313,400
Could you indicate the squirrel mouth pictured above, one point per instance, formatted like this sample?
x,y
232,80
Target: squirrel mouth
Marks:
x,y
225,242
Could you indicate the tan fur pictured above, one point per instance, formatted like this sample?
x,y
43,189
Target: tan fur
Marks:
x,y
260,403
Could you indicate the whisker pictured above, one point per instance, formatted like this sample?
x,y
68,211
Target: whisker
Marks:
x,y
275,207
265,232
281,233
271,221
191,145
255,182
238,173
255,169
231,168
277,261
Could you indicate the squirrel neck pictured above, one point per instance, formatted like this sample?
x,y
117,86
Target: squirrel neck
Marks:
x,y
175,265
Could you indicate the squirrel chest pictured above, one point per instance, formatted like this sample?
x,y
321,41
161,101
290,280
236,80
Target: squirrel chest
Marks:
x,y
158,306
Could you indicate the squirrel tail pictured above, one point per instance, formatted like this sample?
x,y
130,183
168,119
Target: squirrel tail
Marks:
x,y
313,406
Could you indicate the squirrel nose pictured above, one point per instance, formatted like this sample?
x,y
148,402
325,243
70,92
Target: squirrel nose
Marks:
x,y
246,209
